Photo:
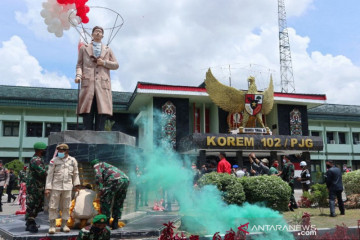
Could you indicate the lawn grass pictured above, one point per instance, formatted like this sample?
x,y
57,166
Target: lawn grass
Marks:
x,y
350,218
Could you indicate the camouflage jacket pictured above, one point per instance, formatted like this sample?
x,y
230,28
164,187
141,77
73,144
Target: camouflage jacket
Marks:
x,y
37,172
87,234
106,173
288,171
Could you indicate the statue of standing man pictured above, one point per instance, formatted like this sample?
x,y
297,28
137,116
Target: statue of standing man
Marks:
x,y
93,71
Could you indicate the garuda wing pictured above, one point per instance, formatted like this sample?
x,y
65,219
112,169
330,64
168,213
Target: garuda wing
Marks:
x,y
268,101
227,98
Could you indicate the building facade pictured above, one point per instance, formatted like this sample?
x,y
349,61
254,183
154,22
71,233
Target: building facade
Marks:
x,y
339,127
29,114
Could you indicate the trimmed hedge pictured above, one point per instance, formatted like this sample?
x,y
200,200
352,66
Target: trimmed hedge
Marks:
x,y
351,181
270,190
230,186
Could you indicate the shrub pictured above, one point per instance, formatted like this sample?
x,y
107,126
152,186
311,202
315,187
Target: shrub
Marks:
x,y
353,201
15,164
230,186
305,201
271,190
319,196
351,181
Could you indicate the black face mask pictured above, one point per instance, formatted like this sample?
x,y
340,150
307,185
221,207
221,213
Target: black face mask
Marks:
x,y
96,230
328,166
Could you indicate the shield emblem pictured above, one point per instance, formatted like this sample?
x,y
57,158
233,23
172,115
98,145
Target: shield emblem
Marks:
x,y
253,103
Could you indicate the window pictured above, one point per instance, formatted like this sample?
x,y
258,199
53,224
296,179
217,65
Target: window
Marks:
x,y
52,127
11,129
34,129
330,138
315,133
207,120
356,138
342,138
72,126
197,120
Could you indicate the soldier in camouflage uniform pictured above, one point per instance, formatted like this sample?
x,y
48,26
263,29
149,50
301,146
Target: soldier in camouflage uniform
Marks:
x,y
287,174
97,231
113,185
35,187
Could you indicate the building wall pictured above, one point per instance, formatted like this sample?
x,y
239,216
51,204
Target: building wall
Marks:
x,y
343,147
20,146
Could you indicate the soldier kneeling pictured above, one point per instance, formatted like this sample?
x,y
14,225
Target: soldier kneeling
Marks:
x,y
98,230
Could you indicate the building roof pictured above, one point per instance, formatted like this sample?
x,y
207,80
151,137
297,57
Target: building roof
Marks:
x,y
335,112
201,88
51,97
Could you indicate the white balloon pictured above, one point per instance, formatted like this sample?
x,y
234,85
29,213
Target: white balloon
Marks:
x,y
59,33
64,16
57,8
52,2
50,29
47,21
46,5
44,13
55,22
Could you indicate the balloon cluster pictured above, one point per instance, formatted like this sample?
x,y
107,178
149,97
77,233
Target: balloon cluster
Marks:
x,y
57,14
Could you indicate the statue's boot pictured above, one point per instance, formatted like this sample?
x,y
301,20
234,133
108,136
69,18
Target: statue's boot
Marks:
x,y
52,228
64,227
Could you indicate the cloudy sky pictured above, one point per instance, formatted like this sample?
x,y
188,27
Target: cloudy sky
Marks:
x,y
174,42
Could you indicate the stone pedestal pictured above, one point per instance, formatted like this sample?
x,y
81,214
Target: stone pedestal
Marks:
x,y
115,148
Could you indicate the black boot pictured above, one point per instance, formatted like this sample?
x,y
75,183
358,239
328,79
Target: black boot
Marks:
x,y
31,226
115,223
0,207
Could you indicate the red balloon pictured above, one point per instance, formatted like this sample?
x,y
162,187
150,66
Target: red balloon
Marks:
x,y
85,19
87,9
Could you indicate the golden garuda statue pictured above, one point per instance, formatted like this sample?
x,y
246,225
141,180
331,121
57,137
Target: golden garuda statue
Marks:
x,y
232,100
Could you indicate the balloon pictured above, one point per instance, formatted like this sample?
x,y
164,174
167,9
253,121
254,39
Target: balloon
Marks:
x,y
85,19
55,22
44,13
50,29
47,21
59,33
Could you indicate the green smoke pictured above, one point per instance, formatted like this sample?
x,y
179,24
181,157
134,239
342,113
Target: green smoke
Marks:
x,y
202,210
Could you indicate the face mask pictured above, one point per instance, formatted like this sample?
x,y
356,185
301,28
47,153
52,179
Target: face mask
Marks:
x,y
61,154
328,166
284,161
276,164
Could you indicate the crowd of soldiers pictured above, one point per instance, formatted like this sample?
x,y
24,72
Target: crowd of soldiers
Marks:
x,y
58,179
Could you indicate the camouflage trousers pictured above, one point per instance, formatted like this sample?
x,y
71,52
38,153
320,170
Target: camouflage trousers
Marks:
x,y
115,192
34,201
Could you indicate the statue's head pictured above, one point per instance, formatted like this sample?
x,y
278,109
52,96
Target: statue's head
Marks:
x,y
97,27
97,33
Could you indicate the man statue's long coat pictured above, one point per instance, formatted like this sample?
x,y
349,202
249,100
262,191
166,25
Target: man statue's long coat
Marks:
x,y
95,79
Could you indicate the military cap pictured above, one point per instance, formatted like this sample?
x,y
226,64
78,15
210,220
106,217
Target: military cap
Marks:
x,y
40,146
94,162
62,146
101,218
